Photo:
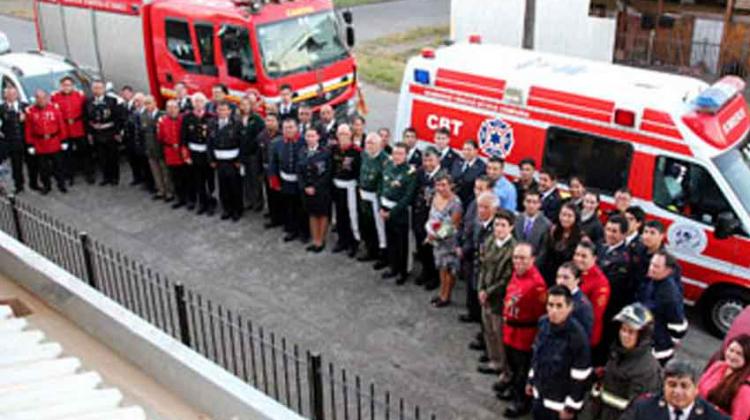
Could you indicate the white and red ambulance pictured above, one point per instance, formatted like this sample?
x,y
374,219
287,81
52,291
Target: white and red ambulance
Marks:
x,y
680,145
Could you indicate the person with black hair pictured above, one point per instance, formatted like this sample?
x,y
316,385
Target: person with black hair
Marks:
x,y
678,399
219,93
420,213
631,368
414,157
359,132
287,108
224,155
560,243
13,141
532,225
635,217
551,198
726,383
284,161
504,189
525,181
561,361
591,226
569,275
315,175
466,170
267,138
448,157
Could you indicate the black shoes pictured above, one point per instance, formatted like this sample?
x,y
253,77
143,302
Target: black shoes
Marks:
x,y
271,225
380,264
402,279
62,188
389,275
178,204
466,318
477,345
338,248
289,237
488,370
225,216
517,410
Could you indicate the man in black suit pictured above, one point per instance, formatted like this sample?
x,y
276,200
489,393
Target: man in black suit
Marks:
x,y
219,94
443,143
532,226
224,157
305,118
183,97
414,156
551,199
12,143
328,125
465,171
287,108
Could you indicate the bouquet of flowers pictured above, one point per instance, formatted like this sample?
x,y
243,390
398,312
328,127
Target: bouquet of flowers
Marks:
x,y
440,230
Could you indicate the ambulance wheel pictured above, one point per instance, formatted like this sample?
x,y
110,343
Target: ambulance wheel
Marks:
x,y
721,307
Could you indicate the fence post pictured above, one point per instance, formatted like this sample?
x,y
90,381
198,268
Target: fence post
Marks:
x,y
88,261
16,218
182,315
315,381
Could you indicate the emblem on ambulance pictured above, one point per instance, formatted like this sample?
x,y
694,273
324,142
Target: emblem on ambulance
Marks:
x,y
687,238
496,137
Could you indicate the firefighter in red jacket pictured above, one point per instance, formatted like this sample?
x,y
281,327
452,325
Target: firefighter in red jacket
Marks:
x,y
524,304
176,154
77,157
45,134
595,286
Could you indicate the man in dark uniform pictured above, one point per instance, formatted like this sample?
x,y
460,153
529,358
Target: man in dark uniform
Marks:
x,y
195,131
561,361
448,157
651,241
526,181
420,214
12,142
396,194
284,159
551,198
135,146
182,97
679,399
104,120
251,124
465,171
414,157
328,125
270,135
224,155
371,226
219,93
314,170
347,158
287,108
45,133
305,118
614,260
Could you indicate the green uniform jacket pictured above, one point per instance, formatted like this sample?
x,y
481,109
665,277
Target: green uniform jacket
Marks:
x,y
495,270
399,184
371,171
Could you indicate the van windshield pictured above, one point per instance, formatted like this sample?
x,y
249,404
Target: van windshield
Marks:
x,y
300,44
49,82
735,167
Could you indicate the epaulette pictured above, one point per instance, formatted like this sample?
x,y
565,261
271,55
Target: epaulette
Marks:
x,y
411,169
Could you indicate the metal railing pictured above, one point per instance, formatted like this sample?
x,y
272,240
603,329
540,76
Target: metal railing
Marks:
x,y
269,362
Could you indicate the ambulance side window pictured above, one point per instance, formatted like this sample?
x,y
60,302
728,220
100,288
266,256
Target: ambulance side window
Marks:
x,y
603,163
235,45
204,33
688,189
179,43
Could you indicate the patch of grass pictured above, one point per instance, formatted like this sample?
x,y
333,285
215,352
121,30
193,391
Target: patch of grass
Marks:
x,y
17,8
382,61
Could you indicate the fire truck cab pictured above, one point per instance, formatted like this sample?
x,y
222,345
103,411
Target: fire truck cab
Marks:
x,y
244,44
680,145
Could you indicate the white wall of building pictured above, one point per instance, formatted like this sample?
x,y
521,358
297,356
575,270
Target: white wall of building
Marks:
x,y
561,26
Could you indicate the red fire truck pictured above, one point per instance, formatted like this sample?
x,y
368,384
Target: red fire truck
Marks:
x,y
680,145
245,44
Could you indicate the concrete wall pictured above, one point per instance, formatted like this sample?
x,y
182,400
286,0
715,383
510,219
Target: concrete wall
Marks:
x,y
561,26
189,375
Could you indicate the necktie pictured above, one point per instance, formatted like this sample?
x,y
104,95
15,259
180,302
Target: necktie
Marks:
x,y
527,228
677,414
466,167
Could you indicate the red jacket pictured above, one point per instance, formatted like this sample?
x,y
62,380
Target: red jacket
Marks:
x,y
168,134
45,129
595,286
525,302
71,107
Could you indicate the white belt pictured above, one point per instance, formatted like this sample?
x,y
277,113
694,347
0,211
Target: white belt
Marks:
x,y
197,147
288,177
344,183
389,204
368,196
226,154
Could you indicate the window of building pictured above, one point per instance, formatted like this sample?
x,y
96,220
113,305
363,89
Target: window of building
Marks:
x,y
603,163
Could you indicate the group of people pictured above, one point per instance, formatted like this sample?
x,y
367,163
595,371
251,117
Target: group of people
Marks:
x,y
579,311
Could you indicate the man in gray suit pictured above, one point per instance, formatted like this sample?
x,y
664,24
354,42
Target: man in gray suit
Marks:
x,y
532,226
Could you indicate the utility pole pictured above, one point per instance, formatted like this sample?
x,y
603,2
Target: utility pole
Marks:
x,y
528,25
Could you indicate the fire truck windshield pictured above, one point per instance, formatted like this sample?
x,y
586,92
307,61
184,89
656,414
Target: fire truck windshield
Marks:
x,y
735,167
300,44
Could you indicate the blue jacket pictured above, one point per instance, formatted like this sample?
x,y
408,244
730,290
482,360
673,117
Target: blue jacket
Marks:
x,y
583,312
664,300
284,163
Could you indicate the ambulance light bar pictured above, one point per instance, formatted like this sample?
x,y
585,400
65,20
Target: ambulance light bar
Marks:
x,y
625,118
711,100
428,53
422,76
475,39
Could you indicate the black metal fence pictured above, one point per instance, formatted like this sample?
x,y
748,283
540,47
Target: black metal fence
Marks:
x,y
295,377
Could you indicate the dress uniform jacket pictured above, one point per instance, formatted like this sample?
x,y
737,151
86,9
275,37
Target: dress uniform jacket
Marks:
x,y
664,299
45,129
495,271
249,148
169,137
371,171
315,170
12,128
423,193
185,104
615,264
147,124
414,157
224,142
551,202
71,106
595,286
583,312
464,176
328,132
104,117
194,133
560,365
346,163
524,304
284,161
397,191
655,407
448,159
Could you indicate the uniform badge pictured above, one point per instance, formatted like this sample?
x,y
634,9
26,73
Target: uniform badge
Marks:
x,y
496,138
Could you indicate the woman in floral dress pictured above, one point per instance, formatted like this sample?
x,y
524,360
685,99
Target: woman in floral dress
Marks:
x,y
443,227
